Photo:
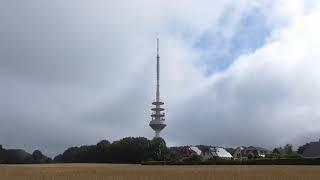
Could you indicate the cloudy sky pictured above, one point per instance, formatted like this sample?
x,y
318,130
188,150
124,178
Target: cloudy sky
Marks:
x,y
232,72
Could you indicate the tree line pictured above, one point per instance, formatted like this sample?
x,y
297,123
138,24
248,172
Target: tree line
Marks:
x,y
126,150
19,156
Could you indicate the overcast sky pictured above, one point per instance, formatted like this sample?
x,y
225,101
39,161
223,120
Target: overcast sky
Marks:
x,y
232,72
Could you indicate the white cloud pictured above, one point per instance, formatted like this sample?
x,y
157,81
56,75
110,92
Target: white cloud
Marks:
x,y
265,98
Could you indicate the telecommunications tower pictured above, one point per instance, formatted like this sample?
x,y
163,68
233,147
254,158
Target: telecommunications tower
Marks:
x,y
157,122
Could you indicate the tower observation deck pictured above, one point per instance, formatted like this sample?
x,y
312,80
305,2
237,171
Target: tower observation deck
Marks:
x,y
157,122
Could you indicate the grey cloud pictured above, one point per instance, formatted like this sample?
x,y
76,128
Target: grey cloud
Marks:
x,y
73,72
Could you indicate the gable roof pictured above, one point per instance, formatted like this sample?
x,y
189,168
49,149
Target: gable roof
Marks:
x,y
220,152
196,150
223,153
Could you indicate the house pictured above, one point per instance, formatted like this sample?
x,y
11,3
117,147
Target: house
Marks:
x,y
207,152
312,150
191,150
250,152
214,152
283,151
280,150
220,153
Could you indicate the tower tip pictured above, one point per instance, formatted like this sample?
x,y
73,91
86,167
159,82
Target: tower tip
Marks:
x,y
158,46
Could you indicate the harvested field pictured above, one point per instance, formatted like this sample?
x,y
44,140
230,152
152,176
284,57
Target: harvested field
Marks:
x,y
138,172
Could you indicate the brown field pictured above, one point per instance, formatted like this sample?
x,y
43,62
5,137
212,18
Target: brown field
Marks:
x,y
138,172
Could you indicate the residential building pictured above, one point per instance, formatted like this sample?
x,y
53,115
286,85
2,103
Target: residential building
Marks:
x,y
312,150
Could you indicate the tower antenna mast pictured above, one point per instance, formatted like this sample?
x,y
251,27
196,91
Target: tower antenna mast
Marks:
x,y
158,73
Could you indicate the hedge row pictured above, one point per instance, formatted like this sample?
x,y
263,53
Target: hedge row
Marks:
x,y
153,163
244,162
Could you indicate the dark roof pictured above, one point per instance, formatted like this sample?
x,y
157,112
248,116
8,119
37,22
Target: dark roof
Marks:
x,y
312,150
204,148
255,148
